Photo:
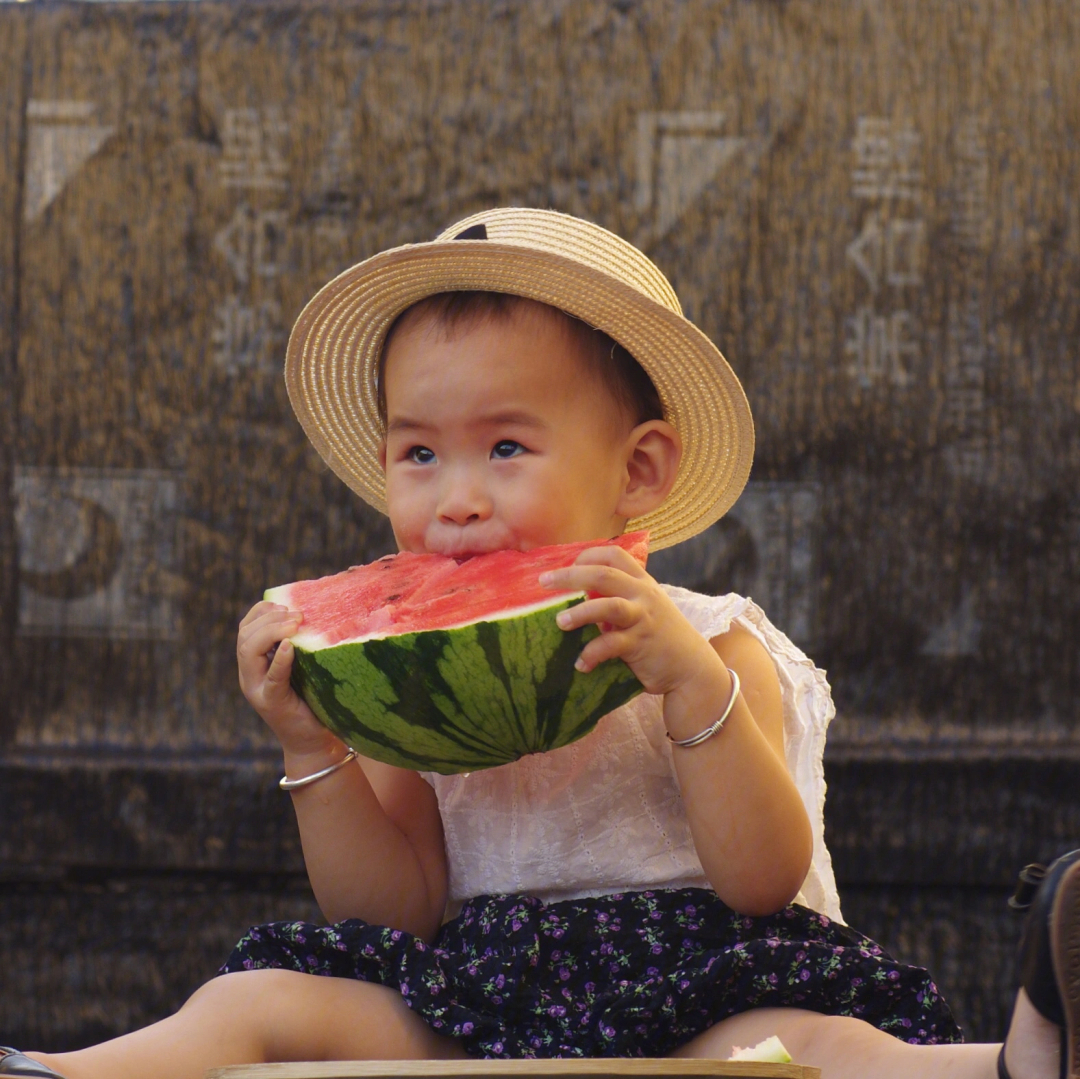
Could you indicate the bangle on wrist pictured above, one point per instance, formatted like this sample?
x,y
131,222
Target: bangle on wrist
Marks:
x,y
287,784
708,732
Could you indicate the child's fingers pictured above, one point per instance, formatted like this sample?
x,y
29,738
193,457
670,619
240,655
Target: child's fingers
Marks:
x,y
601,649
254,641
275,614
603,579
276,684
615,612
264,606
611,556
258,640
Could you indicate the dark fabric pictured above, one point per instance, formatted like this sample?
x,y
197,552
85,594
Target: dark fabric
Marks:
x,y
473,232
623,975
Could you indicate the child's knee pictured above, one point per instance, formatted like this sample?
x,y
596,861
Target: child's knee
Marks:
x,y
816,1037
807,1035
243,989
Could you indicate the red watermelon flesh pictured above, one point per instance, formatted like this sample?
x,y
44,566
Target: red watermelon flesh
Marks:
x,y
407,592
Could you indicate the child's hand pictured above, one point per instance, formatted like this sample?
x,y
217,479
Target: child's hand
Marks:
x,y
638,621
264,678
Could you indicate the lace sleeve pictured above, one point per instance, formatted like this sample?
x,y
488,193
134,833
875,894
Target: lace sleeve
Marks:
x,y
808,711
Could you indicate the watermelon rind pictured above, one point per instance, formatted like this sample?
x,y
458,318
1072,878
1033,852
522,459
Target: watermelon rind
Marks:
x,y
770,1051
466,698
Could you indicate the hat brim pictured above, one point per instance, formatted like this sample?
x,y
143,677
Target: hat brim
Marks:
x,y
333,354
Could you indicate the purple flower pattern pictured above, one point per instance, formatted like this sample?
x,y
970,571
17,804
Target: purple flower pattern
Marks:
x,y
621,975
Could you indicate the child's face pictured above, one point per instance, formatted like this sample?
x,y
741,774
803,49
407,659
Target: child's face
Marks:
x,y
499,436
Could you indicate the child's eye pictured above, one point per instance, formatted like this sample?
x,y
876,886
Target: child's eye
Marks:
x,y
421,455
507,448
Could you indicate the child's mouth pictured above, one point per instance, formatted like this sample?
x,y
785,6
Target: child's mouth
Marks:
x,y
463,553
463,548
464,556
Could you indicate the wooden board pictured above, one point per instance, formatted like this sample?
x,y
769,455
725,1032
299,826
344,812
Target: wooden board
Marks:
x,y
511,1069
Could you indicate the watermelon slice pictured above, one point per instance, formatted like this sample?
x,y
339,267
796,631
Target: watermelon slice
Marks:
x,y
425,662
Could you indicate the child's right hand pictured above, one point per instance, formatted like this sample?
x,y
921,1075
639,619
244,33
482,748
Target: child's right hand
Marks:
x,y
264,680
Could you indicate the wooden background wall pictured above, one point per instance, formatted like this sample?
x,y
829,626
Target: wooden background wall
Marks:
x,y
871,207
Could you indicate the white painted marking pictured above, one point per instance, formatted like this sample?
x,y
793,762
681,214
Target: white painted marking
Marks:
x,y
61,138
98,552
252,148
959,634
678,155
765,547
247,336
887,159
878,346
252,242
65,111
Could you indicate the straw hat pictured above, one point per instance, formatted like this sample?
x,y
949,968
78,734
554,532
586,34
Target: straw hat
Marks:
x,y
579,267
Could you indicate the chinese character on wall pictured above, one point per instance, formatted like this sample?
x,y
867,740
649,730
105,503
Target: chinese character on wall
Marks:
x,y
881,339
964,382
247,333
252,148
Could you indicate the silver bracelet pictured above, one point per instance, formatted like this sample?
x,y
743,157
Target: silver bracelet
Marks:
x,y
287,784
708,732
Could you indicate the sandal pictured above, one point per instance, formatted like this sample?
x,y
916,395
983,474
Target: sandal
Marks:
x,y
1050,952
12,1062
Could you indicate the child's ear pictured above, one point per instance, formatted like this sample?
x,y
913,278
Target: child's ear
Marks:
x,y
653,453
382,455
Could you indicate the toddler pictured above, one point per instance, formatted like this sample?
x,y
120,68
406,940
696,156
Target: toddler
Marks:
x,y
660,887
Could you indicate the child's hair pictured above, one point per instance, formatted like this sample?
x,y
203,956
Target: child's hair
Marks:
x,y
623,377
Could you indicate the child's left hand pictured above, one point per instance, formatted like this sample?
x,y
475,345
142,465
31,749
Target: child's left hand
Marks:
x,y
746,815
639,623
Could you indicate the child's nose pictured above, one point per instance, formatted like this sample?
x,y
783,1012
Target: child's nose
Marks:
x,y
463,501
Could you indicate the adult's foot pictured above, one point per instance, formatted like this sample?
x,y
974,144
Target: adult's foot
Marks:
x,y
1047,1012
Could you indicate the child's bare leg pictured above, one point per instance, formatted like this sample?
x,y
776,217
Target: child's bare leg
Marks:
x,y
850,1049
254,1017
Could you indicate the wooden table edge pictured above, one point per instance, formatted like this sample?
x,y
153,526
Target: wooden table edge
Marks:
x,y
630,1067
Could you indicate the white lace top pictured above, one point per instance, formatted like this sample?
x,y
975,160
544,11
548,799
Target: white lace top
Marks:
x,y
605,813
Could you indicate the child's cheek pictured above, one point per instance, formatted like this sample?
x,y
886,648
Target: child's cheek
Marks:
x,y
407,516
531,508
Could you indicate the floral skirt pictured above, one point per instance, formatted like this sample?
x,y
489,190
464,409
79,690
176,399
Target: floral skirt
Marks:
x,y
622,975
